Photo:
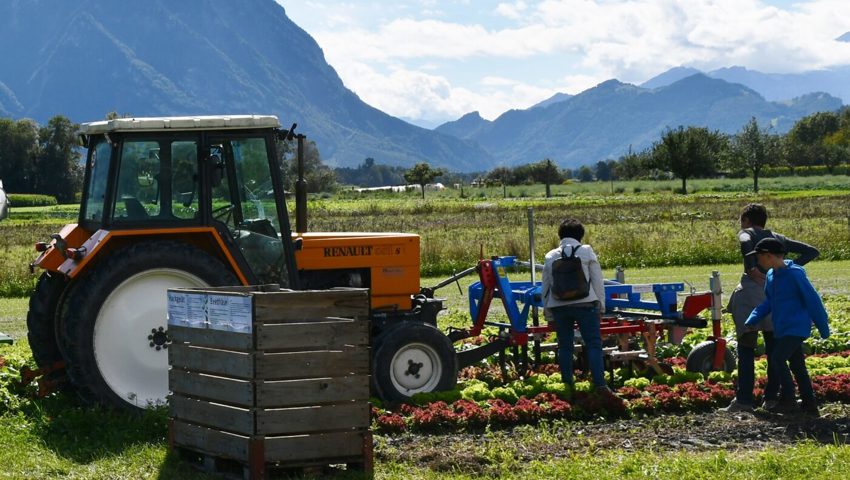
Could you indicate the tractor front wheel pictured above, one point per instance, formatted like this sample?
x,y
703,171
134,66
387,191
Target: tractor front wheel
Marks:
x,y
701,358
41,319
115,329
410,358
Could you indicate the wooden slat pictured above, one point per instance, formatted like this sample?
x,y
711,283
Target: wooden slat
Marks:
x,y
201,412
210,441
312,391
221,389
284,421
205,337
206,360
327,363
333,332
320,446
270,287
309,305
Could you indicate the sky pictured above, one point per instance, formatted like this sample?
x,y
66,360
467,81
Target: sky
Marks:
x,y
432,61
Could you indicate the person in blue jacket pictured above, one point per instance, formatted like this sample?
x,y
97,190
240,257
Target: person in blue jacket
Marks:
x,y
795,305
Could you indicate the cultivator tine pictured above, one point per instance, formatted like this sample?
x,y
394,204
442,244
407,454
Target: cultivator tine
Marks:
x,y
47,383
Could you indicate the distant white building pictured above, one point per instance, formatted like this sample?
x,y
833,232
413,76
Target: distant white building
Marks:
x,y
4,202
388,188
401,188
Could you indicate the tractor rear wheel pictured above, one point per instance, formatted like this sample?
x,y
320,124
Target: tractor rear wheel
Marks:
x,y
410,358
41,319
701,358
115,328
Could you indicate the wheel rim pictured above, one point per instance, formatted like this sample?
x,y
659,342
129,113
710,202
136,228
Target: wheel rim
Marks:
x,y
127,324
415,368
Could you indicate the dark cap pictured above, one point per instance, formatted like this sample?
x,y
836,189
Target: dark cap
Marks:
x,y
769,245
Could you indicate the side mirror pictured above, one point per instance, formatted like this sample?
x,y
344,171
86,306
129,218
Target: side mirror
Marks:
x,y
216,170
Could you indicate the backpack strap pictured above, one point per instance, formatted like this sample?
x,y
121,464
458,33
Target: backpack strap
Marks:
x,y
573,253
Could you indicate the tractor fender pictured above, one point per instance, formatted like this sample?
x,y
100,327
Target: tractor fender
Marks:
x,y
79,260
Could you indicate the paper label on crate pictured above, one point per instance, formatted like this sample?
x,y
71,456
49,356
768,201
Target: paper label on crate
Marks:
x,y
196,315
642,288
229,312
178,311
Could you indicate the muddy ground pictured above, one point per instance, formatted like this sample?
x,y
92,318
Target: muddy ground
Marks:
x,y
467,452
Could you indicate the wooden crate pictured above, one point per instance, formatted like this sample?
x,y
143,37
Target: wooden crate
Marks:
x,y
284,381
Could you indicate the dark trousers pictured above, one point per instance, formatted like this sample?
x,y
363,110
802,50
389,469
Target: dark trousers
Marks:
x,y
566,318
788,357
746,368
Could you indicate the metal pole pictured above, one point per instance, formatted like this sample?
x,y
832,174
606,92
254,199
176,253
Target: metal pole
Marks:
x,y
535,318
531,242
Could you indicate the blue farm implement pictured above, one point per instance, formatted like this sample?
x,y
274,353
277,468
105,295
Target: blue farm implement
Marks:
x,y
637,316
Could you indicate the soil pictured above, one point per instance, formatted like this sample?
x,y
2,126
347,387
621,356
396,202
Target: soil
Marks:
x,y
465,452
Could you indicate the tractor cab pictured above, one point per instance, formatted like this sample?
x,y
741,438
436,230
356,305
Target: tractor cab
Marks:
x,y
218,172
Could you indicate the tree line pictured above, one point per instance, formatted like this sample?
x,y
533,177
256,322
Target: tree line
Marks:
x,y
819,142
41,159
46,159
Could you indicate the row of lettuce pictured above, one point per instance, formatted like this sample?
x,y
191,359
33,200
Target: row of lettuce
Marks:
x,y
477,404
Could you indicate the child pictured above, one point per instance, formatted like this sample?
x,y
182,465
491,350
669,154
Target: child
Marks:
x,y
794,304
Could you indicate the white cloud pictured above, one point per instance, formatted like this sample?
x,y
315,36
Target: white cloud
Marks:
x,y
414,94
599,39
512,11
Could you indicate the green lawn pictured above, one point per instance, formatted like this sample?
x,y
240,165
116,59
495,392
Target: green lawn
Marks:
x,y
58,438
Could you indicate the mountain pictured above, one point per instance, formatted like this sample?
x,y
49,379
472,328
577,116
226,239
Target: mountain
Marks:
x,y
670,76
844,38
85,58
465,127
772,86
605,121
556,98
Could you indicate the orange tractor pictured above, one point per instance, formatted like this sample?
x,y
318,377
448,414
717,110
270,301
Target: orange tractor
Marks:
x,y
194,202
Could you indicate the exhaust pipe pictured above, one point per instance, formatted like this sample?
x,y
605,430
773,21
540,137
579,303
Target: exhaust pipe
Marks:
x,y
300,190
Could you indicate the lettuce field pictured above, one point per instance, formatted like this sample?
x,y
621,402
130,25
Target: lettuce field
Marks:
x,y
495,423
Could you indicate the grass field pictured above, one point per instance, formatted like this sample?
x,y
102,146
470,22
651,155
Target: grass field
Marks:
x,y
657,235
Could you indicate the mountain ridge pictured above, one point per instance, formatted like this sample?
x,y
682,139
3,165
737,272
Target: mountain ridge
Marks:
x,y
94,56
609,119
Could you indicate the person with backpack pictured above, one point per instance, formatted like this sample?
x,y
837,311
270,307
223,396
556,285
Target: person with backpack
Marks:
x,y
795,306
748,295
574,294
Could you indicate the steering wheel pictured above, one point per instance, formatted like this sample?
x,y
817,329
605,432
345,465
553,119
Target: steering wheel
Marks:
x,y
223,214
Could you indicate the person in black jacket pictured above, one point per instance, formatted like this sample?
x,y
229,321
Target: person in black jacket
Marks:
x,y
748,295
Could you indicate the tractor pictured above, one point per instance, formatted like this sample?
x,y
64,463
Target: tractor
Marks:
x,y
195,202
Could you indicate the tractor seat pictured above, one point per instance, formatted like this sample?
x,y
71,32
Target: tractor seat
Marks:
x,y
135,210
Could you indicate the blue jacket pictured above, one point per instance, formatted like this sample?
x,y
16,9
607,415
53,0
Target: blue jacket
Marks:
x,y
794,303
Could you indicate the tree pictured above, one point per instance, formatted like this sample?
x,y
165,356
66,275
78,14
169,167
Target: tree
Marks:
x,y
806,138
688,153
634,165
18,149
603,171
753,149
585,174
549,173
57,164
319,177
499,175
422,174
